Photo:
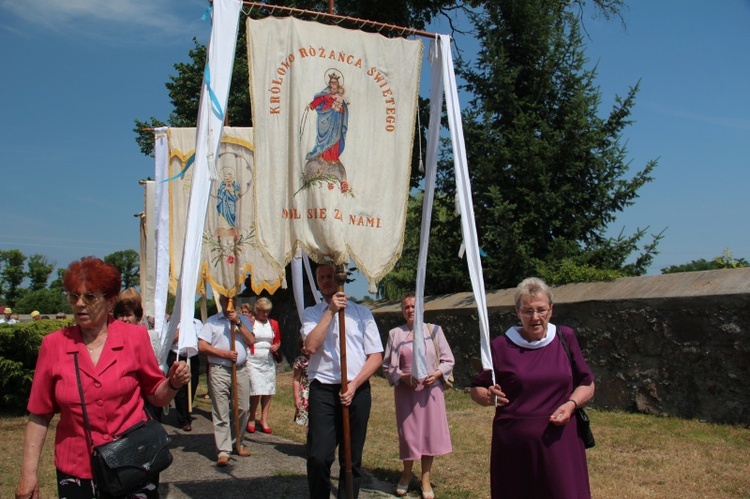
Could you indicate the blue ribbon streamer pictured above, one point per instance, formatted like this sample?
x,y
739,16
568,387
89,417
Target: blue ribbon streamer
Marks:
x,y
180,175
209,12
215,105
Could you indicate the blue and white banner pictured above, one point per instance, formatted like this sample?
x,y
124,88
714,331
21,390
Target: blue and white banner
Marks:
x,y
229,246
214,95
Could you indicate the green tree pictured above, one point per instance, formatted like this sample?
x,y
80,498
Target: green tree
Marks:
x,y
549,173
11,274
39,271
128,263
725,261
57,284
46,301
446,272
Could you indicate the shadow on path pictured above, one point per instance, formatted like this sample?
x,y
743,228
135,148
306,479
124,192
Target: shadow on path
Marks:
x,y
276,469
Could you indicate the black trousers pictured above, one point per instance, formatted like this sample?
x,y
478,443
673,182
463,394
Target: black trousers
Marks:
x,y
181,398
324,434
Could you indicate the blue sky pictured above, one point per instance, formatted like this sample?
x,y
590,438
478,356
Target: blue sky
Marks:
x,y
76,74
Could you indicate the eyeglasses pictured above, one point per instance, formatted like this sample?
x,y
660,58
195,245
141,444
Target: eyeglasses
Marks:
x,y
88,298
530,312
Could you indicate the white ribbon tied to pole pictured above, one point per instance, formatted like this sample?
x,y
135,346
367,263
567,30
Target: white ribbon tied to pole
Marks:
x,y
441,57
214,96
161,273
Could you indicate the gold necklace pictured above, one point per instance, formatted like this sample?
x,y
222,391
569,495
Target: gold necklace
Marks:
x,y
91,348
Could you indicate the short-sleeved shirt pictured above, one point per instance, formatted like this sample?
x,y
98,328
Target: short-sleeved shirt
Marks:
x,y
218,332
197,324
113,389
362,339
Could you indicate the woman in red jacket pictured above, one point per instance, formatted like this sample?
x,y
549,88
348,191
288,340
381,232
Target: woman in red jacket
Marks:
x,y
264,354
118,369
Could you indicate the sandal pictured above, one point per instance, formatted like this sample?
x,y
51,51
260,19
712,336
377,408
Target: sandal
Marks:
x,y
401,489
428,495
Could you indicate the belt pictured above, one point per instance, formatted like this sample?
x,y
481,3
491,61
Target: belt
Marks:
x,y
222,365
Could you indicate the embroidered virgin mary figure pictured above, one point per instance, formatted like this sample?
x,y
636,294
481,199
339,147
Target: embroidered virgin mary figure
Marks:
x,y
324,161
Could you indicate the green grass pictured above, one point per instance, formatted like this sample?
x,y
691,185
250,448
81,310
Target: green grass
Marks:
x,y
636,456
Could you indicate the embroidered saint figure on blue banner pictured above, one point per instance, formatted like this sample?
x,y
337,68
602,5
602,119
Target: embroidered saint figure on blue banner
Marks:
x,y
226,204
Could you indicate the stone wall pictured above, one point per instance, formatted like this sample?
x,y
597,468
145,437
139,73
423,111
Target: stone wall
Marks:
x,y
675,344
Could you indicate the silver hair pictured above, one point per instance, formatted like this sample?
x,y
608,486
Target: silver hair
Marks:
x,y
532,286
263,304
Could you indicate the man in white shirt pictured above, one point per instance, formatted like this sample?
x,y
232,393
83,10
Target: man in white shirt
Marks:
x,y
7,319
364,355
214,340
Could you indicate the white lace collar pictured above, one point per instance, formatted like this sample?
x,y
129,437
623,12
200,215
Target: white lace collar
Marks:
x,y
514,336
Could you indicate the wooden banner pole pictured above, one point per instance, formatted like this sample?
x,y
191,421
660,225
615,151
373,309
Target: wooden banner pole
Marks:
x,y
190,390
235,399
340,277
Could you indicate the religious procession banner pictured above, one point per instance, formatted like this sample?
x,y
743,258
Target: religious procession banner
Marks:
x,y
334,117
229,249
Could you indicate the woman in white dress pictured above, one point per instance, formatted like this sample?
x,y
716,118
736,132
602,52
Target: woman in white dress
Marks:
x,y
262,363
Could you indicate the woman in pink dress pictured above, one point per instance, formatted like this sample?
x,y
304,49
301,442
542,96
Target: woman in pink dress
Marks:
x,y
420,405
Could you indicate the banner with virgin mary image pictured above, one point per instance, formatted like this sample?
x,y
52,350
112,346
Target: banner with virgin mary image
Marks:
x,y
230,249
334,115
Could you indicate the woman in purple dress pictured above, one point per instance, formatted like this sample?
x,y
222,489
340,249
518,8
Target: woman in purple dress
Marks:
x,y
421,417
536,450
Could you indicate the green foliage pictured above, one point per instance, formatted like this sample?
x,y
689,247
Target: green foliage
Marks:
x,y
50,300
724,261
548,172
128,262
446,273
568,271
57,284
693,266
46,301
211,308
144,135
19,347
39,271
727,260
404,274
11,274
35,296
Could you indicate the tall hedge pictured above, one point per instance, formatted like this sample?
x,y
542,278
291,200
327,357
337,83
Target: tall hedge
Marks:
x,y
19,348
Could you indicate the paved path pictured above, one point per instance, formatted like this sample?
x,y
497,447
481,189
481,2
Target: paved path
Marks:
x,y
275,470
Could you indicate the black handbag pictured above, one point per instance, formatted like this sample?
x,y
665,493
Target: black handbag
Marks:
x,y
133,458
584,423
584,429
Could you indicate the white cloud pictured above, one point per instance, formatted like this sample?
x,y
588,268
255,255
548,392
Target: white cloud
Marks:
x,y
99,19
737,123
